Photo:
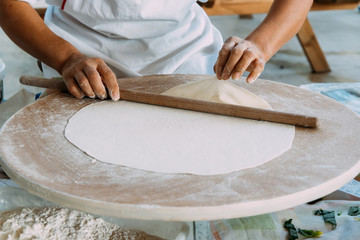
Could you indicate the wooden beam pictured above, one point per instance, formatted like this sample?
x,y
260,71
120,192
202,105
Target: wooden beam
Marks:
x,y
334,6
236,7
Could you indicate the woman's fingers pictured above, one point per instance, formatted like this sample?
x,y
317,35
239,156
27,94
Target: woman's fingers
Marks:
x,y
73,87
236,54
224,54
244,64
257,69
236,57
109,80
84,84
95,81
91,77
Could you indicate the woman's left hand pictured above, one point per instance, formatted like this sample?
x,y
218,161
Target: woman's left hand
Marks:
x,y
237,56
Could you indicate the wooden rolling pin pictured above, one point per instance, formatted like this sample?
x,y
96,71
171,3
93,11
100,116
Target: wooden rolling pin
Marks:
x,y
190,104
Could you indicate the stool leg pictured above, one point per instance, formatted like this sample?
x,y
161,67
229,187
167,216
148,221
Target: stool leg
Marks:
x,y
357,178
312,49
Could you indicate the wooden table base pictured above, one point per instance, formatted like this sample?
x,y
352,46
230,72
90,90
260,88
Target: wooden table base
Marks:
x,y
37,156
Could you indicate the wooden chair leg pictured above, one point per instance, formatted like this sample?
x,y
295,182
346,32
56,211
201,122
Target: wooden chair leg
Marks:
x,y
312,49
357,178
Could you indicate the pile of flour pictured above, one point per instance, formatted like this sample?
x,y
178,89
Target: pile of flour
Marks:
x,y
58,223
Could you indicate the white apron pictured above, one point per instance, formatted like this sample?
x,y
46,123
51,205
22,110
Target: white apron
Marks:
x,y
138,37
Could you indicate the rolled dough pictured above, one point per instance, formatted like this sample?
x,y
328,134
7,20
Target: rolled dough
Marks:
x,y
221,91
166,140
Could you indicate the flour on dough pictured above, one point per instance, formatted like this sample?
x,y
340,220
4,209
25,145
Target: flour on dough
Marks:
x,y
167,140
221,91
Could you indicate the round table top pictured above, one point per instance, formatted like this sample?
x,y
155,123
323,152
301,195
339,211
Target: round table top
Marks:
x,y
37,156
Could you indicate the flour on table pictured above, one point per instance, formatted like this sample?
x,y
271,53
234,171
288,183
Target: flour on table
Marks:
x,y
167,140
56,223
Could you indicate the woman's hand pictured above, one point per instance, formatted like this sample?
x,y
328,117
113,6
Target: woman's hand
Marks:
x,y
237,56
282,22
85,76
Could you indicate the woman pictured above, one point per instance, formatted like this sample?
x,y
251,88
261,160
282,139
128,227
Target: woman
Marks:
x,y
91,43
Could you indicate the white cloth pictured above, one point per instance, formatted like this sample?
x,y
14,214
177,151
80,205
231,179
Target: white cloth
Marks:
x,y
138,37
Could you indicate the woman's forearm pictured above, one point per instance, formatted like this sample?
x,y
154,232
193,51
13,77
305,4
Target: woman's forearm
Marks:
x,y
237,55
26,29
283,21
83,75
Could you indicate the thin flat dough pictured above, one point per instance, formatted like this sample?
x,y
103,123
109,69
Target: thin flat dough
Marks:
x,y
167,140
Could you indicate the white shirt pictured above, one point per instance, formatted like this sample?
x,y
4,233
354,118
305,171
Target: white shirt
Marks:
x,y
138,37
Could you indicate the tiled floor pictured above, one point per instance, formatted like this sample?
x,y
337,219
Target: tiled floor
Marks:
x,y
337,31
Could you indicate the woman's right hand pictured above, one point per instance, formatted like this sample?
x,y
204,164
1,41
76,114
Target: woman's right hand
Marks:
x,y
86,76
